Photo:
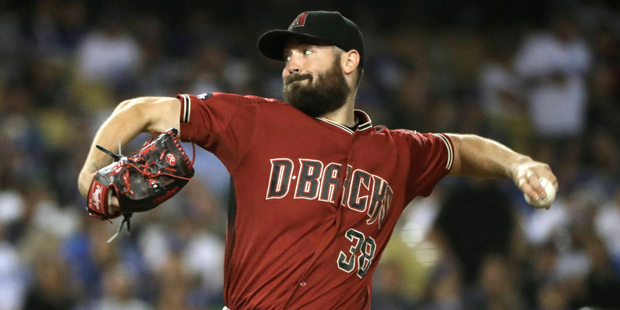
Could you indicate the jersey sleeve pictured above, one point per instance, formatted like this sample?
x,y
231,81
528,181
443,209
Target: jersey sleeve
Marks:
x,y
220,123
431,160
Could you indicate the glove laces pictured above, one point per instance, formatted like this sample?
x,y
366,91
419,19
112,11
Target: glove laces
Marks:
x,y
126,218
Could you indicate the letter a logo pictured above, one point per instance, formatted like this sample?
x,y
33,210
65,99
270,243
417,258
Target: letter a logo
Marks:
x,y
300,21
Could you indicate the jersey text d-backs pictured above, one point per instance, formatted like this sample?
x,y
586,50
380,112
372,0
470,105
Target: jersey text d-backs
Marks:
x,y
316,201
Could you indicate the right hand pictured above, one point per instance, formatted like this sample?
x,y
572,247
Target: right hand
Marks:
x,y
526,176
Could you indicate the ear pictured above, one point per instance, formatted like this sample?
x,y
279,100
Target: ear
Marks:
x,y
349,61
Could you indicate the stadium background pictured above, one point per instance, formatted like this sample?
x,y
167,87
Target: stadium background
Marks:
x,y
441,66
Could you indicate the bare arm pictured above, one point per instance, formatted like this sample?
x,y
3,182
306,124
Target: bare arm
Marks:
x,y
481,157
129,119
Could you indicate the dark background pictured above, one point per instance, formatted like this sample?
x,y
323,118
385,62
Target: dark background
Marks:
x,y
433,66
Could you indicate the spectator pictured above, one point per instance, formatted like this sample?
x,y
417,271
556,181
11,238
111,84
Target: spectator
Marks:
x,y
445,289
390,284
496,289
110,54
608,229
120,287
501,94
554,65
12,276
52,290
476,219
603,285
61,70
552,296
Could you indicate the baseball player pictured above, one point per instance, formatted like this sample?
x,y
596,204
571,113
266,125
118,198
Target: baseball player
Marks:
x,y
319,187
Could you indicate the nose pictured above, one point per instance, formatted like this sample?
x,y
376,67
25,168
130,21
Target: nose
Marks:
x,y
292,66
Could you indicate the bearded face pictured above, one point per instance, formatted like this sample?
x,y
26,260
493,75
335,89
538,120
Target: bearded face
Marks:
x,y
316,98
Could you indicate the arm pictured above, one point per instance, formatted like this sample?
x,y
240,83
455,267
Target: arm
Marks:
x,y
129,119
481,157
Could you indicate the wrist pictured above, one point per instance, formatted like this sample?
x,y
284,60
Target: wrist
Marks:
x,y
515,167
84,180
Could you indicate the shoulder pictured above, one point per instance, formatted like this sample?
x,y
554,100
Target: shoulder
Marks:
x,y
398,137
397,133
237,98
413,137
227,102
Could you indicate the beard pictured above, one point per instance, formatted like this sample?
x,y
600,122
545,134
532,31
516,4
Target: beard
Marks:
x,y
328,94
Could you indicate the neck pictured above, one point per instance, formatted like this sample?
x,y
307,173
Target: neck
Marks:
x,y
344,115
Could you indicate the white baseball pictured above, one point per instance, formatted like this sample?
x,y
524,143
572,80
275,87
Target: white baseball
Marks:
x,y
544,202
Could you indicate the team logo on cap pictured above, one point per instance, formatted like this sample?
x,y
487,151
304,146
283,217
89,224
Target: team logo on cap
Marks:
x,y
299,21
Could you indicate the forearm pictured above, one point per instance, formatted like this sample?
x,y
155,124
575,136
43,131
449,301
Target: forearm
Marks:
x,y
481,157
129,119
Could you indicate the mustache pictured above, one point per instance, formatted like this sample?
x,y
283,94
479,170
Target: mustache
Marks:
x,y
297,77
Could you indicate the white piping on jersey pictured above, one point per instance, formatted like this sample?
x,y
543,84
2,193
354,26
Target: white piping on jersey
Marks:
x,y
449,147
361,127
187,106
345,128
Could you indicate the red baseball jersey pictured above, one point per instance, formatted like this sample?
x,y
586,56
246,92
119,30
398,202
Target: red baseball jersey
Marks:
x,y
316,202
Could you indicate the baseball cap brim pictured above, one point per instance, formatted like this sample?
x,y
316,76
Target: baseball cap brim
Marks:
x,y
272,43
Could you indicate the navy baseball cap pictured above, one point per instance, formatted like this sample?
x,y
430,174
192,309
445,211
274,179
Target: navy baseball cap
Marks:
x,y
323,26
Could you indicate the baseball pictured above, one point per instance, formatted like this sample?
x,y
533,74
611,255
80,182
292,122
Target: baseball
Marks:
x,y
545,202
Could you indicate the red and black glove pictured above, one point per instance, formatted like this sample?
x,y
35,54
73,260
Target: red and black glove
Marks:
x,y
141,181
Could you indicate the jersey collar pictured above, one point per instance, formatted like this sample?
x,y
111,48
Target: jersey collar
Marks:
x,y
364,122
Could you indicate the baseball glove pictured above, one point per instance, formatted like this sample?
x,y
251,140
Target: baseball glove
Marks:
x,y
141,181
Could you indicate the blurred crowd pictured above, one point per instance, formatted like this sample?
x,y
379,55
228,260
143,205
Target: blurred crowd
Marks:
x,y
542,77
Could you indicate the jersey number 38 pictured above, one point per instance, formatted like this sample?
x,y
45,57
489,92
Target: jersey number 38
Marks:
x,y
363,246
